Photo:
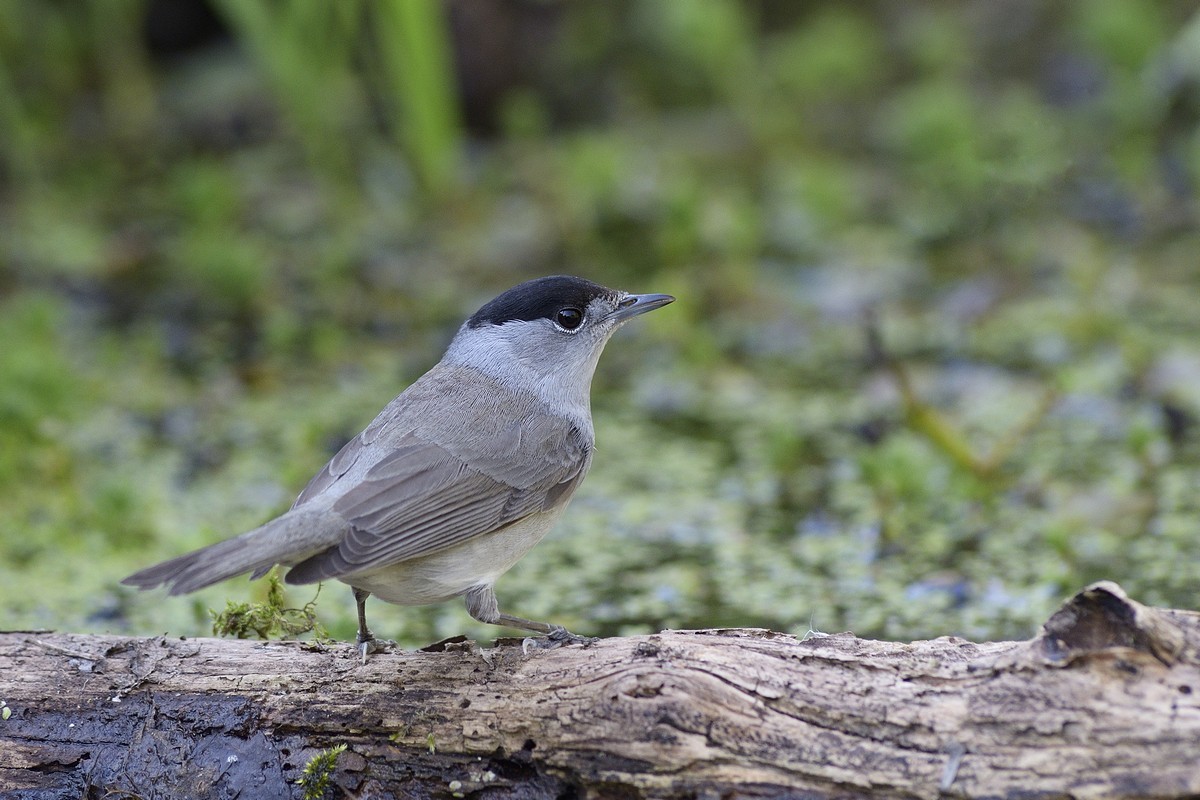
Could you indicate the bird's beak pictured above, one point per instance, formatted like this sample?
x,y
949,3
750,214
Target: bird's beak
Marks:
x,y
632,305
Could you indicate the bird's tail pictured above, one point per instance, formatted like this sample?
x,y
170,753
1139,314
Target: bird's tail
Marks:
x,y
287,539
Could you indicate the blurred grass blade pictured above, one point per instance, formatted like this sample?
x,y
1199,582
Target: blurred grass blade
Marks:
x,y
20,132
127,87
17,131
309,51
306,50
412,38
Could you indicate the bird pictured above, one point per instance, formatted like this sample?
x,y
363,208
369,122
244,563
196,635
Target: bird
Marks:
x,y
458,477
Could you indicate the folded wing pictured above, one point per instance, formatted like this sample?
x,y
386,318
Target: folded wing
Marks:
x,y
424,497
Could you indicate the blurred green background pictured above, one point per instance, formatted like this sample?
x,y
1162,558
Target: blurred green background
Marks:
x,y
935,362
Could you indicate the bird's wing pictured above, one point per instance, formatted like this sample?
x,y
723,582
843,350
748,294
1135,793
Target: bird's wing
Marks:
x,y
424,497
349,455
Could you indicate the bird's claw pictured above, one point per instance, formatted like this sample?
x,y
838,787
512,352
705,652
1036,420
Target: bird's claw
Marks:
x,y
557,637
369,645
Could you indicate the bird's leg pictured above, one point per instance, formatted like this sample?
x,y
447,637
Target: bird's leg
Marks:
x,y
483,606
367,643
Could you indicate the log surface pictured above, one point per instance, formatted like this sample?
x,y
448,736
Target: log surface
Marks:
x,y
1105,703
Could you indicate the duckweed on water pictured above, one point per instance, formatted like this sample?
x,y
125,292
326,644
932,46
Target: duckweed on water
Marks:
x,y
935,362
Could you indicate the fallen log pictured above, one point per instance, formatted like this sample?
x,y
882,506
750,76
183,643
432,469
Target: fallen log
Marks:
x,y
1104,703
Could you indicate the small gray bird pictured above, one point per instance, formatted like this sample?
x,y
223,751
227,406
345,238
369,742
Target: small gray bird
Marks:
x,y
458,477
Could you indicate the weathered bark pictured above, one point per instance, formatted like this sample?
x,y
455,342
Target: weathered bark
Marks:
x,y
1104,703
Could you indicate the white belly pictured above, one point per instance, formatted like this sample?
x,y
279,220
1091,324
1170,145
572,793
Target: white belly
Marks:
x,y
477,562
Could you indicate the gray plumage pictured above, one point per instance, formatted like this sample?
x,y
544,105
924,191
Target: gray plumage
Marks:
x,y
494,467
458,476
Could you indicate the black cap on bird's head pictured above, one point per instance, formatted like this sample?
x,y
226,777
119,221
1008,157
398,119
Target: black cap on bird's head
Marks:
x,y
562,299
540,298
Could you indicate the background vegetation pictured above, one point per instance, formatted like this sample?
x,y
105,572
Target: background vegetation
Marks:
x,y
934,365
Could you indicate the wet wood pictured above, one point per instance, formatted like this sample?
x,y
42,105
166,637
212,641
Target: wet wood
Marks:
x,y
1105,703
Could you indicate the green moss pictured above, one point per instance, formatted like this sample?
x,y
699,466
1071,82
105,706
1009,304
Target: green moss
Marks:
x,y
269,619
315,782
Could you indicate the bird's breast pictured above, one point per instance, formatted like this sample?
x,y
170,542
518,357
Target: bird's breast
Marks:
x,y
448,573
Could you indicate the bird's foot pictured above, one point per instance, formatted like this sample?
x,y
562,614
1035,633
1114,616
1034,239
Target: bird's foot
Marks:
x,y
369,644
557,637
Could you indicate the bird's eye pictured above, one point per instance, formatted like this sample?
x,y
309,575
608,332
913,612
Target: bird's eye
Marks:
x,y
569,317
